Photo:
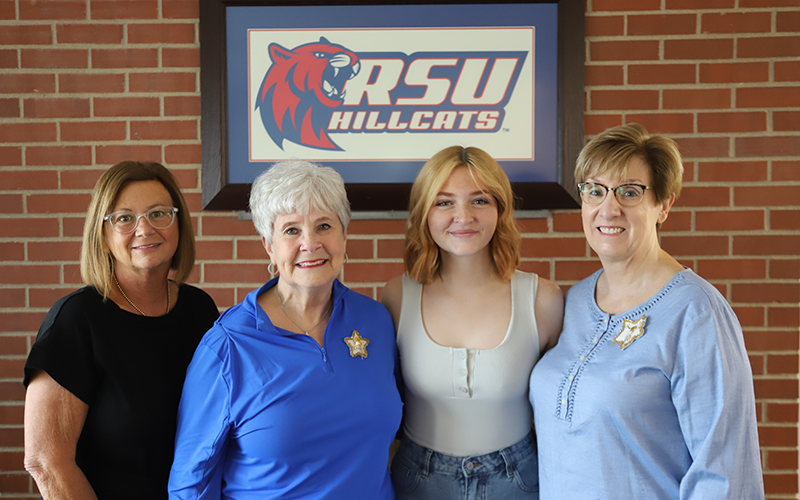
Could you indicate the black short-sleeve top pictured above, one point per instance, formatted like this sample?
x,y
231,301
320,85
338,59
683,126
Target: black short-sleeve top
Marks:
x,y
129,369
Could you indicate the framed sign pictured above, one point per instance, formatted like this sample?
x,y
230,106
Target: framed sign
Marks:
x,y
375,89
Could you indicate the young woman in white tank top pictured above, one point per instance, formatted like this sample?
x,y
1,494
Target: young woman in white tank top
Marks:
x,y
470,328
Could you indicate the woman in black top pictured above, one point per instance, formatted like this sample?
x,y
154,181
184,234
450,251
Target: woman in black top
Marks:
x,y
105,374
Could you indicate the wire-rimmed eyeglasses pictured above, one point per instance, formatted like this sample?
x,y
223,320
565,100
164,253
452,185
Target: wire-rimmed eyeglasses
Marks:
x,y
125,221
627,195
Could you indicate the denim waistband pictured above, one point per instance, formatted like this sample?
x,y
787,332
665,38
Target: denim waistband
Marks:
x,y
442,463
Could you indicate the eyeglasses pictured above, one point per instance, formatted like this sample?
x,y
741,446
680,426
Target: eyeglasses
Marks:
x,y
125,221
628,195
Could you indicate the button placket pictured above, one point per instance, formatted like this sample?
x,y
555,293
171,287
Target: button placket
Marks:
x,y
460,373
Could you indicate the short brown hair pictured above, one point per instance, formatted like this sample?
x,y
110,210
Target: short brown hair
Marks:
x,y
421,254
613,150
97,263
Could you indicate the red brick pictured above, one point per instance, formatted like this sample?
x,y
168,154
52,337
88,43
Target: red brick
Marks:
x,y
31,34
768,97
640,50
236,273
704,196
91,83
538,267
124,9
766,244
695,245
46,297
10,179
8,10
767,146
373,227
160,33
179,9
182,154
619,5
161,130
372,272
781,460
661,73
94,131
11,414
575,270
12,251
703,147
124,58
56,108
109,155
14,482
54,58
697,98
775,388
782,412
766,195
63,9
567,222
180,58
766,292
786,170
594,124
89,33
736,22
624,99
677,221
774,46
603,75
56,250
10,203
10,437
223,297
662,24
734,72
28,132
750,316
700,4
732,269
788,21
780,483
162,82
27,83
387,249
80,179
182,106
228,226
249,249
8,59
784,269
732,122
526,225
554,247
214,250
605,26
733,171
784,219
664,123
9,108
737,220
783,364
702,48
126,106
59,155
17,274
10,156
785,316
786,121
57,203
787,71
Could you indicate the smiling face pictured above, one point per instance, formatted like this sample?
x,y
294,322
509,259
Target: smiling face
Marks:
x,y
146,249
307,250
620,233
463,217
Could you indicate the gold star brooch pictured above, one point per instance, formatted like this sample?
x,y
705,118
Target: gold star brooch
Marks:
x,y
357,344
631,330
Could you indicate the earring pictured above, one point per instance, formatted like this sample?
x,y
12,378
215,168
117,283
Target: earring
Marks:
x,y
271,268
345,258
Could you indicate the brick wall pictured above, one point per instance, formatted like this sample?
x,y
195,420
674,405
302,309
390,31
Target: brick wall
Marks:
x,y
86,83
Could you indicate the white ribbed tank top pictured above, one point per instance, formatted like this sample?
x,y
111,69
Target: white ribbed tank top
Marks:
x,y
468,401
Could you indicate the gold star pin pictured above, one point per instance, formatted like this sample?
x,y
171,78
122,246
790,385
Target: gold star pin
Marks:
x,y
631,330
357,344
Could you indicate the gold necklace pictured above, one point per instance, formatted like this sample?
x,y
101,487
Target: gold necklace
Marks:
x,y
280,303
134,305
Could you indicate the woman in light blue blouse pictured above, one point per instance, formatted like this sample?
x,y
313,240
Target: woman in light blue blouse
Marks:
x,y
649,392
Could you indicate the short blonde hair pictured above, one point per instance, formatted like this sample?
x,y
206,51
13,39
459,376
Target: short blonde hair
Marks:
x,y
421,254
613,150
97,263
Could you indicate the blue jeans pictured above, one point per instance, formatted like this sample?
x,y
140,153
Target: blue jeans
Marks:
x,y
419,473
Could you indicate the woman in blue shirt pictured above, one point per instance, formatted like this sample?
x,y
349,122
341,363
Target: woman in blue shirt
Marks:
x,y
649,392
292,393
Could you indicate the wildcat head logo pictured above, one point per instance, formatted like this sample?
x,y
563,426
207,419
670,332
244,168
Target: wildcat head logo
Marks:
x,y
300,90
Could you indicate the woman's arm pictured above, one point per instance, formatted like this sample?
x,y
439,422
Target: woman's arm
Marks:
x,y
54,419
549,308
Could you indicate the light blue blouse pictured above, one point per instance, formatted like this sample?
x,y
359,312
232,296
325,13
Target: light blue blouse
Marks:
x,y
669,416
268,414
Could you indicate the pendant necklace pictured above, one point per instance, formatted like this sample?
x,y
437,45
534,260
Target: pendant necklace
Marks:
x,y
280,303
134,305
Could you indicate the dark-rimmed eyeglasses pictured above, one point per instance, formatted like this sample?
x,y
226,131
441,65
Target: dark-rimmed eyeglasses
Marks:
x,y
125,221
627,195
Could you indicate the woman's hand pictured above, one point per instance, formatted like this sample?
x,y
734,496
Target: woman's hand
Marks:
x,y
54,419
